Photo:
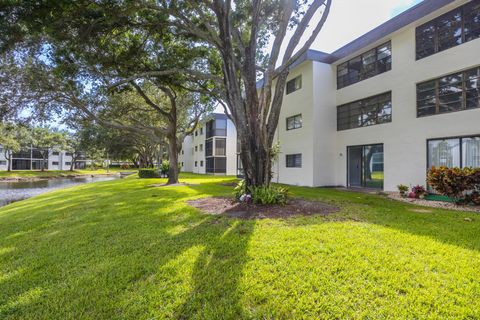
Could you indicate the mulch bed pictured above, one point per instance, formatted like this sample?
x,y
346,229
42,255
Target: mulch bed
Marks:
x,y
229,207
434,204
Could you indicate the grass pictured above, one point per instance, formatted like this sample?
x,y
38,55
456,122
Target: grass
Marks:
x,y
126,250
56,173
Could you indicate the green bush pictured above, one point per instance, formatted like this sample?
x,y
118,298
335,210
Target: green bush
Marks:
x,y
240,189
268,195
463,185
165,167
403,189
148,173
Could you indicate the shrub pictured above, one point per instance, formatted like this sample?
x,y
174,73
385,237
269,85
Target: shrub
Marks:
x,y
240,189
268,195
419,191
124,166
462,185
148,173
164,167
403,189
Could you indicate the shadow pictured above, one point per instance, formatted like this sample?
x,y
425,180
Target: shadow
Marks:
x,y
446,226
120,249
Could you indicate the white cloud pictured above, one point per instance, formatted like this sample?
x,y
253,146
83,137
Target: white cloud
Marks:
x,y
350,19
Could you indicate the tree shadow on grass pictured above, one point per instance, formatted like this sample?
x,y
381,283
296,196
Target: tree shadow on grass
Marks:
x,y
446,226
99,263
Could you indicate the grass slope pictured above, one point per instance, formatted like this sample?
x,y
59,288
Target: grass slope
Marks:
x,y
56,173
125,250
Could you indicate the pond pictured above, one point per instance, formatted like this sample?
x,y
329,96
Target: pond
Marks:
x,y
12,191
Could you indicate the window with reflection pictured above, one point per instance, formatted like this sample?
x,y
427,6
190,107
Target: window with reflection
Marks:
x,y
294,122
366,112
366,65
454,152
454,92
449,30
294,84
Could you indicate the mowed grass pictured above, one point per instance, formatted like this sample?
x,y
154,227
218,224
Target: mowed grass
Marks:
x,y
126,250
58,173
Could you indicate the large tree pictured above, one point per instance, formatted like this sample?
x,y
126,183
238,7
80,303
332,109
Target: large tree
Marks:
x,y
222,47
13,137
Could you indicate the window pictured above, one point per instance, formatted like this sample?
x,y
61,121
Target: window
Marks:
x,y
454,152
201,130
455,92
196,133
367,65
366,112
221,127
220,146
216,165
294,160
182,164
209,148
449,30
294,84
195,163
201,163
294,122
69,154
3,163
182,152
55,163
68,163
201,147
196,148
55,153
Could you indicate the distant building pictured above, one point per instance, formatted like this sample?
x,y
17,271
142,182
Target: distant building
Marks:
x,y
31,159
212,148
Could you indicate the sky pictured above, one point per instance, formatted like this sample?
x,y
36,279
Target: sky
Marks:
x,y
349,19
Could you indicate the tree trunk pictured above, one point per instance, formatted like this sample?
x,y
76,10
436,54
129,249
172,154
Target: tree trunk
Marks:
x,y
173,159
8,156
72,164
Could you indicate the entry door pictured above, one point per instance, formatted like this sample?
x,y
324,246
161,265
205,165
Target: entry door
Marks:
x,y
355,166
365,166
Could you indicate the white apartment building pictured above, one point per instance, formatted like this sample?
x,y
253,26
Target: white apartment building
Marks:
x,y
382,109
31,159
212,148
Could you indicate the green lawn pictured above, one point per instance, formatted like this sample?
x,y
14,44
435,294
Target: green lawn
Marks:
x,y
56,173
125,250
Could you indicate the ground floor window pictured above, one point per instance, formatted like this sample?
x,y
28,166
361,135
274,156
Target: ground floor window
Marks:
x,y
216,165
294,160
454,152
365,166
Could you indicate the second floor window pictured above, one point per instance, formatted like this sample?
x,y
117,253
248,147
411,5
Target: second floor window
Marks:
x,y
365,112
294,84
455,92
375,61
220,146
294,122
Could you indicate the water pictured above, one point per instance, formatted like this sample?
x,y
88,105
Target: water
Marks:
x,y
19,190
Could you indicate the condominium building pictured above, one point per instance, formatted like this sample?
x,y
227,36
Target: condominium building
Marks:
x,y
382,109
31,158
212,148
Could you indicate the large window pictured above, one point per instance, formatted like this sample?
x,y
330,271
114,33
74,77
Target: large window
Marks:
x,y
365,112
449,30
220,146
367,65
454,152
209,148
455,92
216,165
217,127
294,122
294,84
294,160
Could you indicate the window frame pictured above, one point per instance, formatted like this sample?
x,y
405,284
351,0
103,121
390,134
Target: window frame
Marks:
x,y
437,29
297,85
359,71
436,90
348,111
295,123
460,151
294,160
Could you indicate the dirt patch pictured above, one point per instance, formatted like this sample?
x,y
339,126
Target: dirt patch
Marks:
x,y
230,208
228,184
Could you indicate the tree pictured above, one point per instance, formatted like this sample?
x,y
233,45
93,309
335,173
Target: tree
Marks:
x,y
45,139
222,46
12,138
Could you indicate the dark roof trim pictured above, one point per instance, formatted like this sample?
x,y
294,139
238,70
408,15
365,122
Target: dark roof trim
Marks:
x,y
405,18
